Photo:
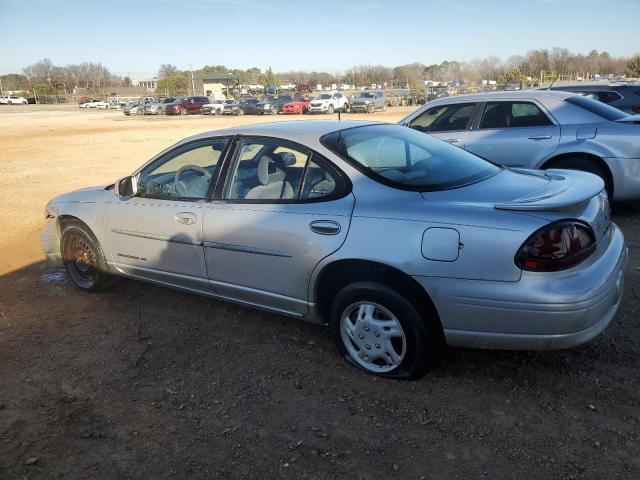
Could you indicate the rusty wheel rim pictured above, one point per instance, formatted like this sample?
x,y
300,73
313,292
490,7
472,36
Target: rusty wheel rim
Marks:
x,y
82,255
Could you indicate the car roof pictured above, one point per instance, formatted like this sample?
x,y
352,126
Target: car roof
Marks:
x,y
488,96
297,131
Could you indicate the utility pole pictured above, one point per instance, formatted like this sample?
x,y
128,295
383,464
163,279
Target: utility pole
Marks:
x,y
1,90
193,85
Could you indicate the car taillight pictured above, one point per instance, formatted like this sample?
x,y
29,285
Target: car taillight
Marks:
x,y
557,246
636,109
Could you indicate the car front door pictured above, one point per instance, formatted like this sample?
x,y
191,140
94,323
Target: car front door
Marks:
x,y
514,133
449,122
157,234
281,210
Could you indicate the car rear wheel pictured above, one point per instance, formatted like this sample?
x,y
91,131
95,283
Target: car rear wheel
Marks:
x,y
382,332
585,165
330,109
83,259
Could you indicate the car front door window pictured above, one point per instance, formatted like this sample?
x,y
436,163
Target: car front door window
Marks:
x,y
186,174
444,118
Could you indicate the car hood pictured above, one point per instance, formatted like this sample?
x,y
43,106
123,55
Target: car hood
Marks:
x,y
527,191
84,195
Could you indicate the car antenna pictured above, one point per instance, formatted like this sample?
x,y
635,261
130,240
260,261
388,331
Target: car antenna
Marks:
x,y
554,81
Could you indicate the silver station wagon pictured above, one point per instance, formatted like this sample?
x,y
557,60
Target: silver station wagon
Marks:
x,y
399,241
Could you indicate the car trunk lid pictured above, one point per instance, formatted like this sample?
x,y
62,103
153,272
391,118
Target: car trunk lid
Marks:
x,y
551,195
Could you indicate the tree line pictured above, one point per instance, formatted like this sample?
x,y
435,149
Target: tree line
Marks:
x,y
45,78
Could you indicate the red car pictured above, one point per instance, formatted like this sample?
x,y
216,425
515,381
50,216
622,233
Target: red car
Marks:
x,y
299,106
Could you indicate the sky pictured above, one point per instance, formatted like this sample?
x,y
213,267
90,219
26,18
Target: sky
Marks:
x,y
134,37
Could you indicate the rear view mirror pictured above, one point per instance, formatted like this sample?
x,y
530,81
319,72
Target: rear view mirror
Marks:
x,y
127,187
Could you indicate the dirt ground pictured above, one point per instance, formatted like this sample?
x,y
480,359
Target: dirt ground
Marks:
x,y
146,382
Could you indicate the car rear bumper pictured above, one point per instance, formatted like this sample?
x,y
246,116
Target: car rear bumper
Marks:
x,y
541,310
626,178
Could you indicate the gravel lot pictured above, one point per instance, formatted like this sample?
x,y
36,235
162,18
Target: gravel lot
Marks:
x,y
147,382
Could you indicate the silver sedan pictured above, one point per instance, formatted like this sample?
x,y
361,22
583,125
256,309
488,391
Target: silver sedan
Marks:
x,y
399,241
541,129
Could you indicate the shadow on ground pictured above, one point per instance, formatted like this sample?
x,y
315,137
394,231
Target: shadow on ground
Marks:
x,y
147,382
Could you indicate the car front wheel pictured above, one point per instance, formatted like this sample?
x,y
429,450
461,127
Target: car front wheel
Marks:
x,y
83,259
184,111
330,109
382,332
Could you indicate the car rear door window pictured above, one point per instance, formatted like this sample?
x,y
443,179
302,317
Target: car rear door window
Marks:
x,y
513,114
444,118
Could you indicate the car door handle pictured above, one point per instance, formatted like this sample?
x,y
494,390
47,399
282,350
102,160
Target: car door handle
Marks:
x,y
187,218
452,140
325,227
540,137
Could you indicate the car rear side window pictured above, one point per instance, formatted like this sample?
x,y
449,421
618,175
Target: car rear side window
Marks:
x,y
513,114
444,118
272,171
597,108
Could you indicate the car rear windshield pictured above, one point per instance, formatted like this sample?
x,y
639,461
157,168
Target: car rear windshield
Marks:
x,y
598,108
407,159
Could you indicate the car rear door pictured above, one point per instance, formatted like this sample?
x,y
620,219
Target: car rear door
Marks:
x,y
514,133
449,122
281,210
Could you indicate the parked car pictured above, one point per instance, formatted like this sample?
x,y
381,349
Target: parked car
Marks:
x,y
272,104
299,106
187,106
215,107
541,129
157,106
13,100
241,107
625,97
369,101
95,104
329,103
400,242
131,108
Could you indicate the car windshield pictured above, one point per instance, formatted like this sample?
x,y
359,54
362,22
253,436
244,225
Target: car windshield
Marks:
x,y
365,95
269,99
324,96
408,159
598,108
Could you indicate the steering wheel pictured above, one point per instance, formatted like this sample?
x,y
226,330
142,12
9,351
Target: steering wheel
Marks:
x,y
182,188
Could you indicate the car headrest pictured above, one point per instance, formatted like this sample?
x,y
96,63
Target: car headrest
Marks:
x,y
268,172
287,158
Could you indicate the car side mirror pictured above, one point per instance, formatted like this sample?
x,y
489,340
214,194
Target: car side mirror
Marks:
x,y
127,186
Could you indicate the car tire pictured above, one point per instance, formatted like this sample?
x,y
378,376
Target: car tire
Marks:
x,y
274,110
240,112
372,108
83,258
330,109
408,342
184,111
585,165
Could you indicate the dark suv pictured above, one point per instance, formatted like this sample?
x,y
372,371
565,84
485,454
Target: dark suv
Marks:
x,y
272,104
186,106
625,97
